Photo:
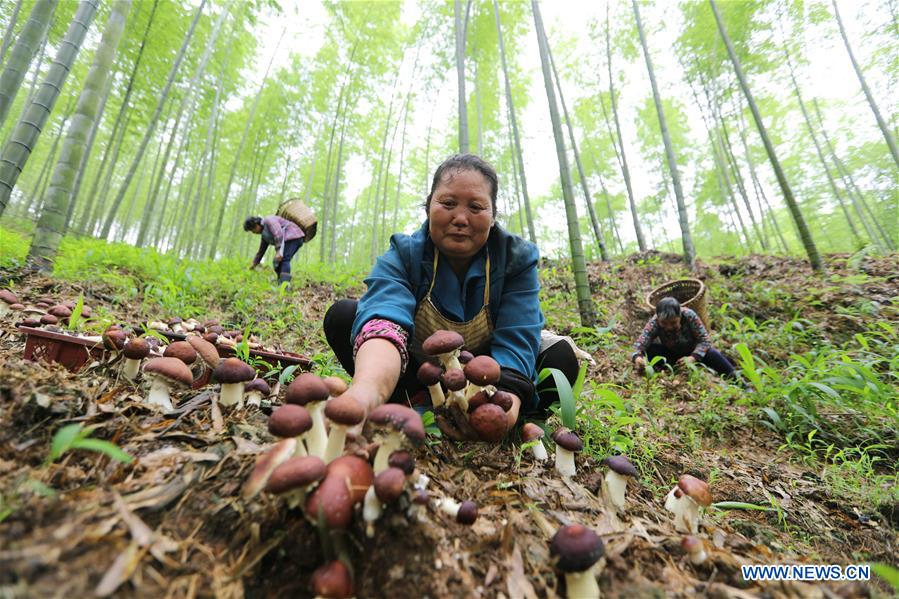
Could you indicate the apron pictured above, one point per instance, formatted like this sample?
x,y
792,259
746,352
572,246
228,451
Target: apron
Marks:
x,y
477,332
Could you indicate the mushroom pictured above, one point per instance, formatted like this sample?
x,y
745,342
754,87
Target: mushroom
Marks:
x,y
465,356
175,325
114,340
454,379
336,385
255,390
266,464
403,460
429,375
182,350
233,374
400,423
695,549
60,311
296,476
685,500
7,298
576,549
464,513
310,391
135,350
291,420
343,412
345,484
445,346
163,374
503,399
531,433
332,581
209,358
387,488
615,481
482,373
490,422
567,443
50,319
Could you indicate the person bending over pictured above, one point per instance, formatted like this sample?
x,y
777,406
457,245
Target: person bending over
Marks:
x,y
281,233
677,335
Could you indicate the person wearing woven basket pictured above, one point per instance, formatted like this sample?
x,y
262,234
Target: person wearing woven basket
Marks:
x,y
460,271
286,237
677,336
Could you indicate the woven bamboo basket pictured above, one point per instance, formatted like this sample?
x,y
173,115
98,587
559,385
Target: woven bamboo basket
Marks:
x,y
296,211
691,293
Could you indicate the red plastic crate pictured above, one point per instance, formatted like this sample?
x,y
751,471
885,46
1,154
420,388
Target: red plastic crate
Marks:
x,y
72,352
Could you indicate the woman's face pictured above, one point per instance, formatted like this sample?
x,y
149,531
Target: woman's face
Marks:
x,y
461,213
670,325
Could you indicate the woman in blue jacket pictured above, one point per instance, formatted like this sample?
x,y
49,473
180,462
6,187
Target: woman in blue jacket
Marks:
x,y
460,271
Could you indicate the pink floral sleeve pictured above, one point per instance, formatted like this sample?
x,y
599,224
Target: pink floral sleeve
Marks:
x,y
379,328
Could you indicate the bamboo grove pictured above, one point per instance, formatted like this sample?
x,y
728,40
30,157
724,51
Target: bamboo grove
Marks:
x,y
696,127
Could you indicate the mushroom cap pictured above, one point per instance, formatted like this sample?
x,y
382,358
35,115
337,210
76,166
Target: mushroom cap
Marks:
x,y
465,356
531,432
621,465
233,370
698,490
482,371
171,369
8,296
336,385
478,399
567,439
60,311
181,350
454,379
289,420
307,388
403,460
389,484
296,472
489,421
49,319
468,513
333,581
211,337
265,465
429,373
442,342
258,384
174,320
503,399
136,348
17,306
114,339
345,410
691,544
401,418
346,481
577,548
206,350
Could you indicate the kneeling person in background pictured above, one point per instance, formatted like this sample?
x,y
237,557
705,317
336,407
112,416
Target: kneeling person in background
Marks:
x,y
281,233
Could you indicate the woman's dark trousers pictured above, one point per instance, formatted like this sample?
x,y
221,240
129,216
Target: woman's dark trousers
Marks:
x,y
712,358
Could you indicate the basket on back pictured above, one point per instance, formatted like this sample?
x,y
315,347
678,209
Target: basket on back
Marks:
x,y
689,292
296,211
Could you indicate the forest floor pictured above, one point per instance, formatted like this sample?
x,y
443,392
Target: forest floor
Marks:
x,y
172,523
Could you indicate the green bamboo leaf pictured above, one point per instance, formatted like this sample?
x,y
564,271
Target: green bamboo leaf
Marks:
x,y
566,395
741,505
888,573
62,441
105,447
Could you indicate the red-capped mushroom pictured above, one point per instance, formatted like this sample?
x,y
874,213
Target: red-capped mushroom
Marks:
x,y
233,374
576,549
464,513
311,391
345,484
694,549
429,376
531,433
615,481
685,500
567,444
483,374
455,381
387,488
255,390
394,424
490,422
332,581
296,476
343,412
291,420
181,350
445,346
266,464
136,349
163,374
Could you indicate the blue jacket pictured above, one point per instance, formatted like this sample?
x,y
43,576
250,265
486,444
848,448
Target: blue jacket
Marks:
x,y
401,277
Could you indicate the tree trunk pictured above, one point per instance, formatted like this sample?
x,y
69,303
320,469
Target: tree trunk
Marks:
x,y
213,245
399,177
519,160
51,226
460,76
805,235
154,120
43,180
597,228
687,239
332,254
7,35
25,135
884,127
641,243
27,44
579,267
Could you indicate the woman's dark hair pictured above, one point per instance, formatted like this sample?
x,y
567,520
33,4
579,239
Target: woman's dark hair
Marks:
x,y
668,307
252,222
465,162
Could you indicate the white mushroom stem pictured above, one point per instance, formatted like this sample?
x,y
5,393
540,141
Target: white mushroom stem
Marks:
x,y
317,438
449,506
437,396
131,368
699,556
582,585
296,498
458,398
254,398
232,393
471,390
371,511
389,443
565,462
300,448
685,510
539,451
615,487
335,442
159,393
450,360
